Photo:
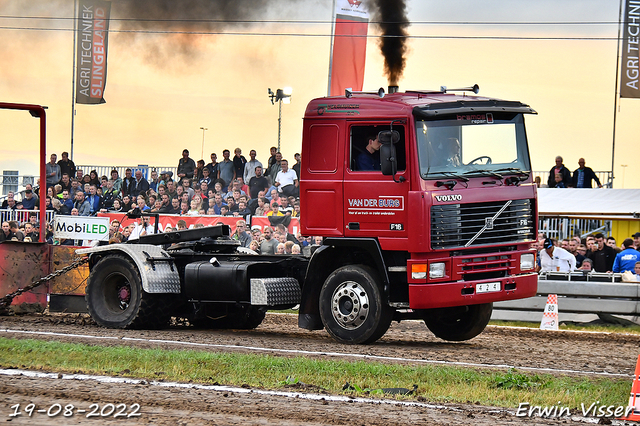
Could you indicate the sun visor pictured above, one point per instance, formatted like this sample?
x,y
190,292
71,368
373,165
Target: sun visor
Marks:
x,y
471,107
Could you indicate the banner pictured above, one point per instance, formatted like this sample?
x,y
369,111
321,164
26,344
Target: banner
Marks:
x,y
81,228
630,70
91,55
172,220
349,46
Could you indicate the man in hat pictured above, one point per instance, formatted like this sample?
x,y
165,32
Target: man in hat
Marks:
x,y
165,177
554,258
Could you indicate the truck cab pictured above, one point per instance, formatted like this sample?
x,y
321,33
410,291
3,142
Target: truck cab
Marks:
x,y
443,220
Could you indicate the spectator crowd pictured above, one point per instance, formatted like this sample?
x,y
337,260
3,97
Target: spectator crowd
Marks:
x,y
234,186
561,177
590,254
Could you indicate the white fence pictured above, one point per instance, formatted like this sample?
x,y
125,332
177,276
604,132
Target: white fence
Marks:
x,y
106,170
561,228
22,216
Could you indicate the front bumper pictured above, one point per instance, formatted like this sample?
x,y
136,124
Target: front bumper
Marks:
x,y
460,293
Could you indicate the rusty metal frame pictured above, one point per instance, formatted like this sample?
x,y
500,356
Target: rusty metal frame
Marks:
x,y
37,111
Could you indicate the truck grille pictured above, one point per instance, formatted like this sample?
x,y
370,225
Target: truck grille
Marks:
x,y
459,225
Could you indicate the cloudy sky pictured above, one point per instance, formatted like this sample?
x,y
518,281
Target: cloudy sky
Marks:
x,y
162,85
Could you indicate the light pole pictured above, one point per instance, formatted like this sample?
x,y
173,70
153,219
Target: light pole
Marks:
x,y
281,95
204,129
624,167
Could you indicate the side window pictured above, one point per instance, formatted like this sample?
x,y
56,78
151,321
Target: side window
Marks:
x,y
365,158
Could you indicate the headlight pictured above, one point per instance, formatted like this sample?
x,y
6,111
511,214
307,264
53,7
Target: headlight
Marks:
x,y
436,270
527,261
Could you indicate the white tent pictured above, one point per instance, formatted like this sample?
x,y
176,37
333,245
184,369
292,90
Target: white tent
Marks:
x,y
598,203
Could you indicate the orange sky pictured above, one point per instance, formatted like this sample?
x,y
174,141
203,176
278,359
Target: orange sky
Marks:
x,y
155,107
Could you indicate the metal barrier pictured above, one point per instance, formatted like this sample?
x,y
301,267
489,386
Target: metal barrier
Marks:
x,y
561,228
22,216
581,297
106,170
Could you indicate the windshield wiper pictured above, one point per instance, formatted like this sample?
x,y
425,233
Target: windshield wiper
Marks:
x,y
514,170
449,183
513,180
451,174
485,172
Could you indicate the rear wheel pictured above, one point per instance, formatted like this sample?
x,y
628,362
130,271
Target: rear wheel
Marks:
x,y
458,323
115,297
352,308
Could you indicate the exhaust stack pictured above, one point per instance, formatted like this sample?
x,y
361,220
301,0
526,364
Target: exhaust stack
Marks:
x,y
393,89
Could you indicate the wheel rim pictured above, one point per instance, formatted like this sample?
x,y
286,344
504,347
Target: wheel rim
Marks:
x,y
117,292
350,305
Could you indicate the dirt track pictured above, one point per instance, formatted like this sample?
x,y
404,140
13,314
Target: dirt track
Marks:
x,y
579,352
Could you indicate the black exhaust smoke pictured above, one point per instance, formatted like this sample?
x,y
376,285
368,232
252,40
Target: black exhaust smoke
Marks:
x,y
392,19
185,19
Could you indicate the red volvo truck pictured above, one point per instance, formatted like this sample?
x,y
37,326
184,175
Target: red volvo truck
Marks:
x,y
427,207
440,232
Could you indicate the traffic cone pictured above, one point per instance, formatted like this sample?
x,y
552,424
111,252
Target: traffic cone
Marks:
x,y
550,315
634,398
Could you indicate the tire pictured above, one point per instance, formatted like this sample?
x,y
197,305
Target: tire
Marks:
x,y
458,323
352,308
115,297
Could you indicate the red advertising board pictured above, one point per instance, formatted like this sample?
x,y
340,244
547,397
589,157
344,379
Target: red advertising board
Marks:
x,y
165,220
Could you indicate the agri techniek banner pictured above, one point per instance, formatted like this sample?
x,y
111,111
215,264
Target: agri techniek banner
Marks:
x,y
93,31
349,46
630,70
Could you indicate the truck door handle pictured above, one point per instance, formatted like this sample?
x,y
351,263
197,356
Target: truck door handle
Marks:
x,y
354,226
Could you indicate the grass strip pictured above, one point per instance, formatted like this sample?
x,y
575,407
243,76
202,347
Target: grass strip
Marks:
x,y
435,383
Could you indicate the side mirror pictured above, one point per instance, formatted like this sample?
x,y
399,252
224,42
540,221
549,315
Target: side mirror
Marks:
x,y
388,161
386,137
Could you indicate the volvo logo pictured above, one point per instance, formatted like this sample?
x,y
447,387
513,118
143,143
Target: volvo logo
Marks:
x,y
454,197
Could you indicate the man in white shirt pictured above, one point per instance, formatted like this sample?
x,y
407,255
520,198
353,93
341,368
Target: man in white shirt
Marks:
x,y
141,229
287,180
554,258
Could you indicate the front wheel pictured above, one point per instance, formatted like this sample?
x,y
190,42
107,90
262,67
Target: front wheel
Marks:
x,y
458,323
352,308
115,297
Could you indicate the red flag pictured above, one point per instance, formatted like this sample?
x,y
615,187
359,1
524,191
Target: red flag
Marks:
x,y
349,46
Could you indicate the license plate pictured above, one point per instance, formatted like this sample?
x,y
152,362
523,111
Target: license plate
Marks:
x,y
487,287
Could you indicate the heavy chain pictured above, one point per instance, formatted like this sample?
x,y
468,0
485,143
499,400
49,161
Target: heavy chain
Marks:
x,y
5,302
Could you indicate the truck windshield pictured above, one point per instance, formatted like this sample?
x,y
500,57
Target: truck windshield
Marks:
x,y
472,145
